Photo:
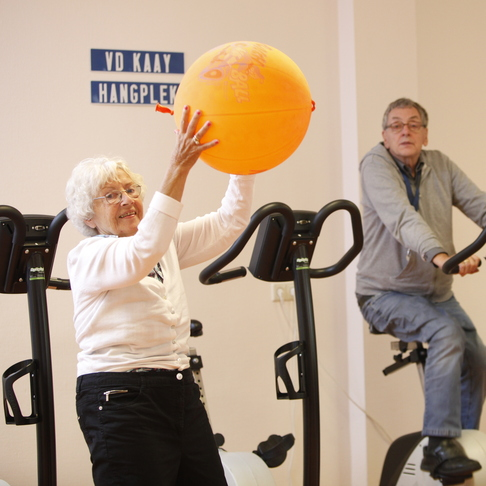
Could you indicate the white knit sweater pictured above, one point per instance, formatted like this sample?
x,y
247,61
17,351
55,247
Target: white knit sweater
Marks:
x,y
125,319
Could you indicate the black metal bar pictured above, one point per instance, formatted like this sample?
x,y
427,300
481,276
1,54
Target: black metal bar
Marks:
x,y
451,265
310,404
41,353
17,241
352,253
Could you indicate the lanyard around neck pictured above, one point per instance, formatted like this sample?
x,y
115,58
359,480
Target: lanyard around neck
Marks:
x,y
413,198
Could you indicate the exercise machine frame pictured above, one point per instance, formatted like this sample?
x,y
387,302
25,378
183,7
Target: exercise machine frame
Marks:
x,y
27,249
283,251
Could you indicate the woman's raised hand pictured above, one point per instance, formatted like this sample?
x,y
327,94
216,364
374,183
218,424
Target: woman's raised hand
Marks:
x,y
188,147
187,150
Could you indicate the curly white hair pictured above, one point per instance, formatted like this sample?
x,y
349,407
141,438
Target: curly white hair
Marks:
x,y
86,180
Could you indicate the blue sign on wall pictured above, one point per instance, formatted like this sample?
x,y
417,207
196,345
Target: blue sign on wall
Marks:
x,y
137,61
129,93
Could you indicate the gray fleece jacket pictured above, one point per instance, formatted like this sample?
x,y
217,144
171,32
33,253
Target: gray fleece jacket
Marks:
x,y
399,242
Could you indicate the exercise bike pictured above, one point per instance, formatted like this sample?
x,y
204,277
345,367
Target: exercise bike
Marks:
x,y
242,468
27,250
282,252
402,462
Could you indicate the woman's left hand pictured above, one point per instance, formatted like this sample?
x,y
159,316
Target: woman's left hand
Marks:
x,y
187,150
188,146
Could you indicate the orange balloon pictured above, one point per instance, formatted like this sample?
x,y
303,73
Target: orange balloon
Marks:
x,y
257,100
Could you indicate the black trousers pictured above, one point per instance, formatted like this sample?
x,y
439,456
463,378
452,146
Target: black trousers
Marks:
x,y
147,429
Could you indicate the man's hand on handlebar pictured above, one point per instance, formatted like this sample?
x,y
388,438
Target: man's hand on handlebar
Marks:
x,y
468,266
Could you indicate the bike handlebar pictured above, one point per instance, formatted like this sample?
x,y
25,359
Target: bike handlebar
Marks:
x,y
452,264
212,274
12,256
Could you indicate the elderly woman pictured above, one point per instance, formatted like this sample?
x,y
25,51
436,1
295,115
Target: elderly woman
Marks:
x,y
137,403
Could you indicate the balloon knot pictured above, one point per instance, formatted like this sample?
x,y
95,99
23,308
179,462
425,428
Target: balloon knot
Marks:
x,y
163,109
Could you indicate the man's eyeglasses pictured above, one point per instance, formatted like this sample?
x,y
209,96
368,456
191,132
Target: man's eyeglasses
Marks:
x,y
115,197
397,127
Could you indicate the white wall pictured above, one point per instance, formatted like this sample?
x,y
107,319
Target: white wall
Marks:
x,y
431,51
428,50
48,124
386,41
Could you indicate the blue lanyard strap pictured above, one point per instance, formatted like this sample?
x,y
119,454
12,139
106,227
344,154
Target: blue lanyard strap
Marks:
x,y
413,198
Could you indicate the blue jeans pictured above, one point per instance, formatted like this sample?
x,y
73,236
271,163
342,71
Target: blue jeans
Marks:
x,y
151,429
455,371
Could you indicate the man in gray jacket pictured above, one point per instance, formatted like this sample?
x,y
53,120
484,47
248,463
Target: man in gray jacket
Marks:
x,y
407,198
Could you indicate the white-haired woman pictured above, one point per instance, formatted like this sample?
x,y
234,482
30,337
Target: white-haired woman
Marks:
x,y
137,403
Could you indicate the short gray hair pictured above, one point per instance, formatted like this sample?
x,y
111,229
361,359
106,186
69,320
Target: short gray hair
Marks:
x,y
406,103
86,180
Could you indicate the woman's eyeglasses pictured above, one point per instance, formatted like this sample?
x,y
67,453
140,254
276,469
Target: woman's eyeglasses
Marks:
x,y
115,197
